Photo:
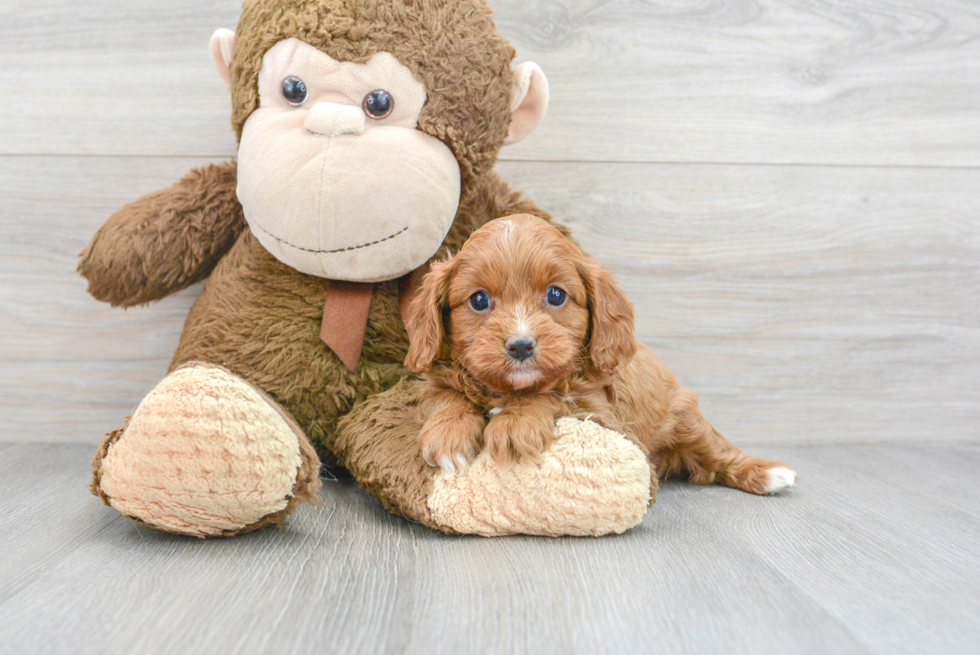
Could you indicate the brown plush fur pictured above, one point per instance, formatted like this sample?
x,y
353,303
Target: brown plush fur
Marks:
x,y
582,363
378,442
261,319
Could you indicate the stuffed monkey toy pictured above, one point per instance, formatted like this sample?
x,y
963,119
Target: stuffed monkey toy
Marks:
x,y
367,135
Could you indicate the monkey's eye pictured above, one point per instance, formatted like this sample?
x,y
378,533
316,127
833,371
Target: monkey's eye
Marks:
x,y
556,297
480,301
294,91
378,104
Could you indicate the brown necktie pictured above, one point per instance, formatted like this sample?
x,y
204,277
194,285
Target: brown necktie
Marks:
x,y
345,314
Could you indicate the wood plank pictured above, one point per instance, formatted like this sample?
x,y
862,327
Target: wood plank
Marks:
x,y
60,348
872,82
138,590
950,471
897,567
854,560
111,76
804,304
869,82
47,510
667,586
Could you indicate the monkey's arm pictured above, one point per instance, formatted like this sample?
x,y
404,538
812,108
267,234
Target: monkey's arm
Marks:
x,y
166,240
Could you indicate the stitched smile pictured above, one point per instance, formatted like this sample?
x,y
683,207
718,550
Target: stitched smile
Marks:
x,y
331,252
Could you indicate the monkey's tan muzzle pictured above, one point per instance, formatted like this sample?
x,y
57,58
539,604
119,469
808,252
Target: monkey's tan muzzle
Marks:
x,y
333,119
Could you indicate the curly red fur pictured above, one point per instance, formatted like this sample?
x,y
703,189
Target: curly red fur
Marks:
x,y
578,345
586,361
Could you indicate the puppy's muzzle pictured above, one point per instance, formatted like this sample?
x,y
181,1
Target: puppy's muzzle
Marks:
x,y
520,349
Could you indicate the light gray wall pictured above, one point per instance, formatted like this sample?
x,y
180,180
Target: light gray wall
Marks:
x,y
788,190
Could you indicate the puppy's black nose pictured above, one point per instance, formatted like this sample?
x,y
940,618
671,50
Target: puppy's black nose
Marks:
x,y
520,349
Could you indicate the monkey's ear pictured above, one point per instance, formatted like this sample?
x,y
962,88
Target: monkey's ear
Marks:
x,y
222,48
528,101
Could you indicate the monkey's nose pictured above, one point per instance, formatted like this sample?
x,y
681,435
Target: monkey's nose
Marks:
x,y
333,119
520,349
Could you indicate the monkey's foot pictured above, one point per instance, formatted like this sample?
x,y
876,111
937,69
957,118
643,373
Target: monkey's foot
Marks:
x,y
592,481
206,454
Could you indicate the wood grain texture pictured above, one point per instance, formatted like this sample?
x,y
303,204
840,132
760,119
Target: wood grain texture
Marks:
x,y
874,82
871,554
804,304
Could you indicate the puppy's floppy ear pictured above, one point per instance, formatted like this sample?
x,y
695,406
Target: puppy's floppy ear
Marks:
x,y
424,324
612,342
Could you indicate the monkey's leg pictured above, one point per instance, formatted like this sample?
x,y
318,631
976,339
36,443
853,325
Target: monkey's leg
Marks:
x,y
592,481
206,454
699,450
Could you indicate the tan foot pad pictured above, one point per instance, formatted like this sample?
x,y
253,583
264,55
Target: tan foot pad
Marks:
x,y
593,481
204,453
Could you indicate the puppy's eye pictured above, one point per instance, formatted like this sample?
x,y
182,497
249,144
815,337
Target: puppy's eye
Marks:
x,y
378,104
556,296
480,301
294,91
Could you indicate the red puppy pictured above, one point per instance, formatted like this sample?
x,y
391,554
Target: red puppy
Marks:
x,y
521,328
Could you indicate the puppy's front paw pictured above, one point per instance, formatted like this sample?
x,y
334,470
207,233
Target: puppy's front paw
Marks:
x,y
450,444
511,437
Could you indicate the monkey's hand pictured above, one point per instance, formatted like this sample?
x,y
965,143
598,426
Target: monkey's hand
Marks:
x,y
165,241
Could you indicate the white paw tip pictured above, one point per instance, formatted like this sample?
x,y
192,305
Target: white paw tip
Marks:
x,y
780,478
446,464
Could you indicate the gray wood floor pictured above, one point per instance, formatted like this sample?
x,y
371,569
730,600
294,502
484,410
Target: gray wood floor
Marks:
x,y
875,553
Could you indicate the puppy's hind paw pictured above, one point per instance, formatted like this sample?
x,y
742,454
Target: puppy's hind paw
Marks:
x,y
779,478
